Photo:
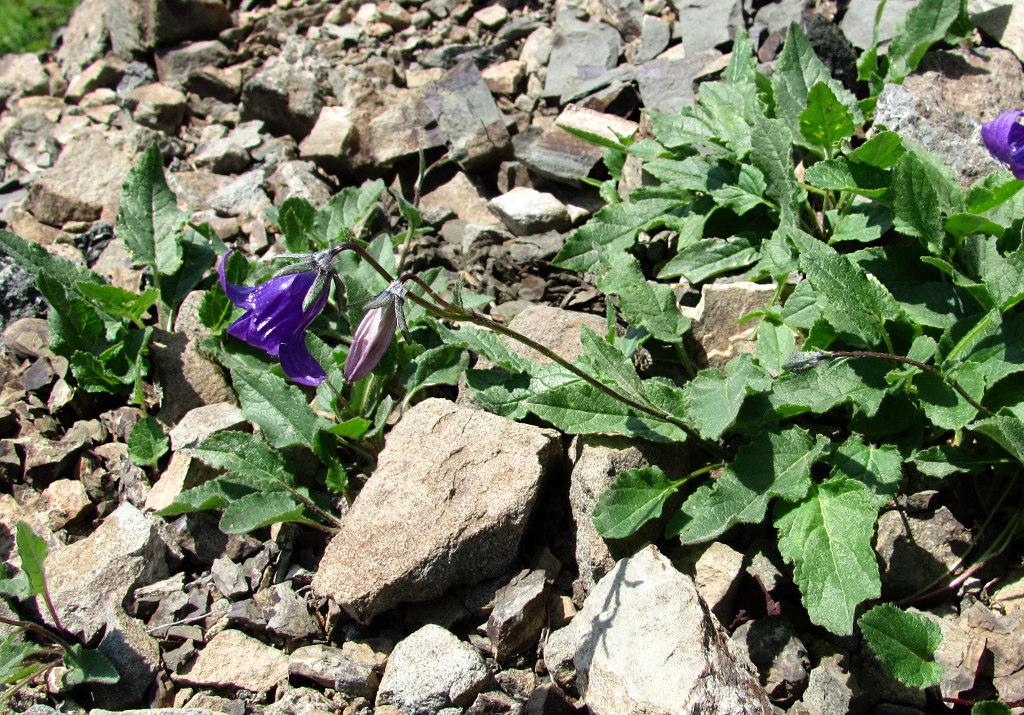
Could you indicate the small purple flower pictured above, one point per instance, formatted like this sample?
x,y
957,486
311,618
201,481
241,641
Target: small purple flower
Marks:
x,y
279,311
373,335
1004,138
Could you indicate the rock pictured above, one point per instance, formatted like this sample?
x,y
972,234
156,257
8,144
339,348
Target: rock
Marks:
x,y
916,550
461,195
830,689
177,64
958,653
331,138
298,179
715,319
717,574
136,656
83,184
244,195
300,701
559,652
28,337
492,17
581,51
655,35
527,211
21,75
202,422
222,85
780,657
182,472
703,24
233,659
122,554
288,613
354,669
66,502
997,640
560,156
556,328
227,152
505,77
140,25
84,39
646,642
536,50
429,670
442,460
285,96
519,614
937,108
859,20
465,112
105,72
667,84
495,703
157,106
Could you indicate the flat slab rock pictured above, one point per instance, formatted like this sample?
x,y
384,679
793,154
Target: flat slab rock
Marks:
x,y
232,658
647,643
447,505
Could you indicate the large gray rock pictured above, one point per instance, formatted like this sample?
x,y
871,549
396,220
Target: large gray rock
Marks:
x,y
431,670
134,653
124,553
475,474
84,39
830,688
176,64
140,25
715,326
779,656
859,20
285,93
526,211
647,642
21,75
519,613
581,51
556,154
703,24
1004,22
233,659
917,550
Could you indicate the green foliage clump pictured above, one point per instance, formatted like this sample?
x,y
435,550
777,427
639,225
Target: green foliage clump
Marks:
x,y
26,25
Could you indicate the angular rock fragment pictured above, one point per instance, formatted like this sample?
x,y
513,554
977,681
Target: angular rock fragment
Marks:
x,y
518,615
476,474
139,25
233,659
560,156
527,211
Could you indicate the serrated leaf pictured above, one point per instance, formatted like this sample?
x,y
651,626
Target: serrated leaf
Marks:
x,y
827,539
825,121
215,310
73,323
635,497
878,468
443,365
905,643
612,365
348,212
484,343
644,303
13,654
116,301
278,408
612,229
834,382
245,455
743,62
296,217
86,665
214,494
1002,275
711,402
863,222
257,510
926,23
147,442
1005,430
841,174
772,464
882,150
148,219
32,551
945,459
709,257
991,191
35,260
919,195
771,152
775,343
943,405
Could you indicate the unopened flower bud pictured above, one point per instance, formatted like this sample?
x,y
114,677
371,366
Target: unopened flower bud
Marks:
x,y
375,331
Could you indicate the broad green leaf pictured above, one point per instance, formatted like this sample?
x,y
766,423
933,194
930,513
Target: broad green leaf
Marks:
x,y
257,510
73,323
32,550
351,429
246,455
116,301
278,408
771,152
905,643
877,468
943,405
865,222
86,665
834,382
827,539
197,259
709,257
945,459
775,343
215,310
634,498
1005,430
16,586
992,191
740,189
919,195
797,71
148,219
484,343
852,301
296,217
801,309
348,213
93,375
1003,275
13,654
35,260
743,63
644,303
147,442
825,121
930,303
215,494
777,258
712,401
882,150
443,365
612,229
612,365
964,224
772,464
841,174
926,23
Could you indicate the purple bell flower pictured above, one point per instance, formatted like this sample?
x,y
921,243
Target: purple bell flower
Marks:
x,y
278,312
1004,138
385,314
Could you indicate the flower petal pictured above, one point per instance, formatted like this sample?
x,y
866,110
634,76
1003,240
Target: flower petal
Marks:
x,y
370,342
297,362
1000,133
238,295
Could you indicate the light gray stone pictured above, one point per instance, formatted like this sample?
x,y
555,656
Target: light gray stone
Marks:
x,y
84,39
298,179
354,669
561,156
475,473
646,642
288,613
430,670
136,656
559,652
527,211
717,574
778,654
917,550
227,152
176,64
858,22
244,195
123,553
830,688
21,75
201,422
285,94
715,326
519,614
140,25
703,24
581,51
666,84
233,659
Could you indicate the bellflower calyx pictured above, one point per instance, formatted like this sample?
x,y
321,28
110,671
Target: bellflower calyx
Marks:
x,y
1004,138
385,313
278,312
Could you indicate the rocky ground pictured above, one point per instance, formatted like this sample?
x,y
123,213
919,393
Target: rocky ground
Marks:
x,y
507,601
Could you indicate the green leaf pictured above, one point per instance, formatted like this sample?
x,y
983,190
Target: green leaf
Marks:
x,y
743,62
148,219
296,217
852,301
197,258
772,464
443,365
351,429
13,654
147,442
926,23
1005,430
920,193
36,260
877,468
832,383
215,494
712,402
796,72
882,150
485,343
825,121
992,191
86,665
32,550
1003,275
905,643
257,510
248,456
215,310
775,343
348,212
644,303
278,408
612,229
943,405
116,301
634,498
709,257
945,459
964,224
841,174
827,538
771,152
990,707
73,323
611,364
